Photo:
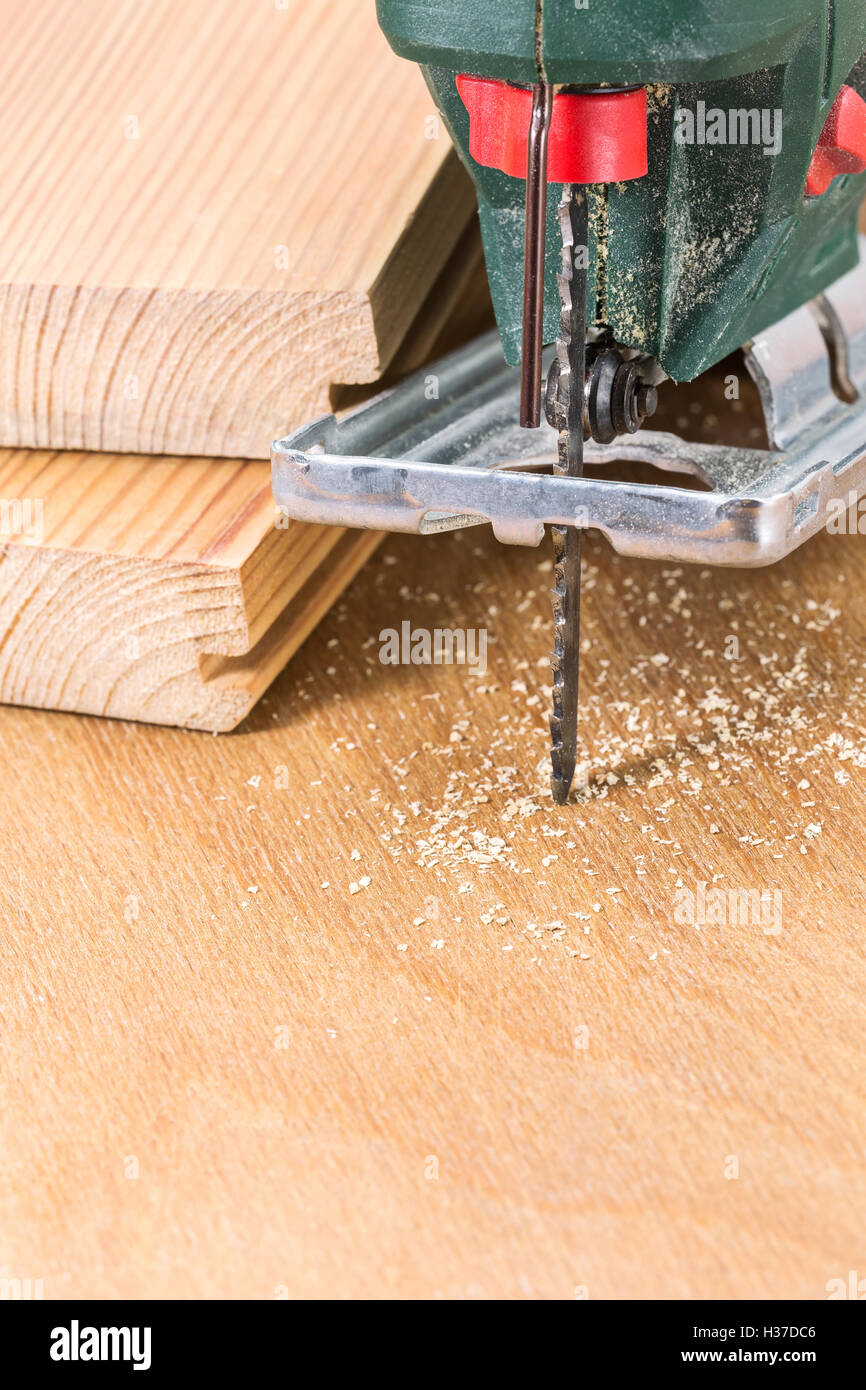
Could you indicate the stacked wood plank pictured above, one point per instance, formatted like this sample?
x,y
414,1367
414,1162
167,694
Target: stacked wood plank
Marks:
x,y
216,218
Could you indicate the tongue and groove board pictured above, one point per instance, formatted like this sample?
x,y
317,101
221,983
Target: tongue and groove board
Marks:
x,y
168,589
161,591
217,219
211,212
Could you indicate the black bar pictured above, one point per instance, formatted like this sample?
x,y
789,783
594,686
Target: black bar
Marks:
x,y
217,1342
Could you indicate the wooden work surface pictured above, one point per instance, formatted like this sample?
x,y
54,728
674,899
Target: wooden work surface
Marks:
x,y
341,1005
211,211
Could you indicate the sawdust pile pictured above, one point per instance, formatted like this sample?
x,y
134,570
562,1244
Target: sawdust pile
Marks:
x,y
709,740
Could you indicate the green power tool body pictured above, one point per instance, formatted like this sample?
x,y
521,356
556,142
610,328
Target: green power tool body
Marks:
x,y
717,241
707,161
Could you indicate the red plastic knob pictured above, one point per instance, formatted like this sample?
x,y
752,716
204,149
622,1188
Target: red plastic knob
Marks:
x,y
595,137
842,146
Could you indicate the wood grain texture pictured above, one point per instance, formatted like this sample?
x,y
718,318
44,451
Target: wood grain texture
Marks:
x,y
159,588
367,1015
210,212
155,589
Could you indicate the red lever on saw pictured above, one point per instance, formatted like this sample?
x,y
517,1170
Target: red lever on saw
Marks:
x,y
595,137
842,146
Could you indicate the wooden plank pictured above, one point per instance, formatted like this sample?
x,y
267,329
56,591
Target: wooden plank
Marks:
x,y
229,1072
159,588
211,211
155,589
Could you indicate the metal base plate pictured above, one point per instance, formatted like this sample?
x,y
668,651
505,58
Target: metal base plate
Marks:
x,y
444,450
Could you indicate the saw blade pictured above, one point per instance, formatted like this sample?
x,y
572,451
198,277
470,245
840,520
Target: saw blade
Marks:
x,y
571,352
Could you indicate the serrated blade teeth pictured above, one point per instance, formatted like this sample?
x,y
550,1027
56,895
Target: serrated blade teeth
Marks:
x,y
566,541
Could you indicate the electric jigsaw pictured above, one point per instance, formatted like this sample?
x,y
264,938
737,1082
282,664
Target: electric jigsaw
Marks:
x,y
707,163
